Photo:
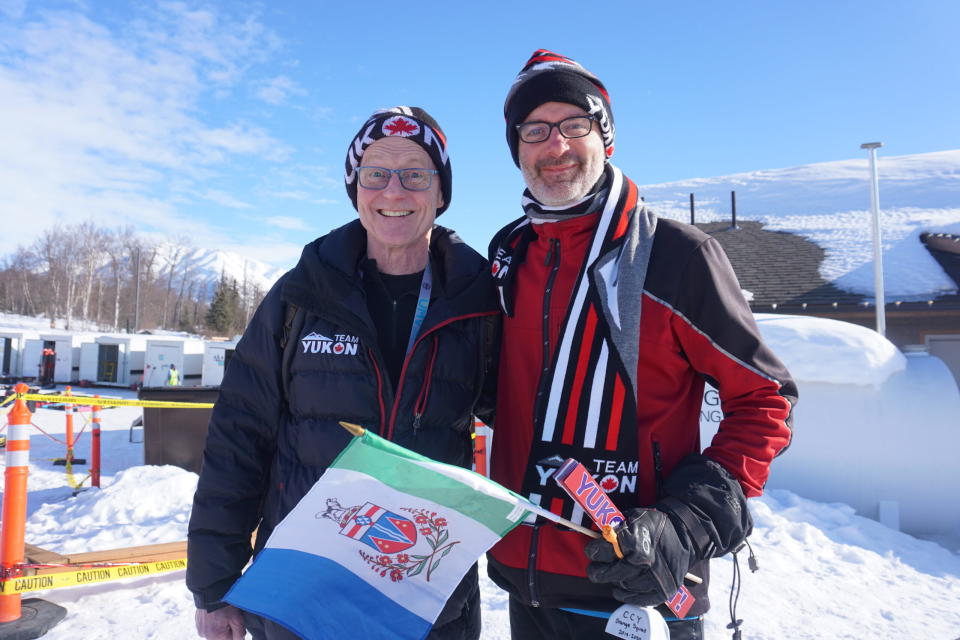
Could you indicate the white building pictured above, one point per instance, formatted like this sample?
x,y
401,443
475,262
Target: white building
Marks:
x,y
114,360
215,358
65,363
186,354
12,342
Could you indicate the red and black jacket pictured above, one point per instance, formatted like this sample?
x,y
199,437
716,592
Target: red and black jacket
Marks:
x,y
695,326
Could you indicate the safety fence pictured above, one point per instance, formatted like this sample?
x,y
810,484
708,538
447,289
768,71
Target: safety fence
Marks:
x,y
44,570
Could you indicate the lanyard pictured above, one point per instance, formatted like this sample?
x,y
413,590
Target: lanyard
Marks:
x,y
423,303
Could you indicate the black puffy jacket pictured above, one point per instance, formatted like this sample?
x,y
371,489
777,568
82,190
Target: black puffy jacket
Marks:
x,y
274,429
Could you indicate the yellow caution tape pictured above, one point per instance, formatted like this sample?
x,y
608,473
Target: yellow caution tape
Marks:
x,y
88,576
115,402
71,480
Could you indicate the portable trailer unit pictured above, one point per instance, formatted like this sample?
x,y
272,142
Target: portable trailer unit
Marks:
x,y
53,357
12,343
216,356
876,428
186,354
113,360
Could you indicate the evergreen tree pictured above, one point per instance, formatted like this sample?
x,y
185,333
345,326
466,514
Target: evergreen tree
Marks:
x,y
222,313
237,308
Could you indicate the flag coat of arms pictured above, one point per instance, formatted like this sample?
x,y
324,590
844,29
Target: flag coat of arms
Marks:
x,y
377,545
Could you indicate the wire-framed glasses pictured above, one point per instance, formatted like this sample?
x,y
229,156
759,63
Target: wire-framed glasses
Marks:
x,y
413,179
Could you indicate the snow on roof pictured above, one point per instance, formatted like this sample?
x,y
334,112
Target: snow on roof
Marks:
x,y
832,351
829,204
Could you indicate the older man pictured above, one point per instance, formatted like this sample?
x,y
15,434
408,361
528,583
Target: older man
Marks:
x,y
613,320
387,321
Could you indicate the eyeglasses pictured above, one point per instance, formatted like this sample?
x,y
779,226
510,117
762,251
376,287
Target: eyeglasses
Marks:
x,y
410,179
572,127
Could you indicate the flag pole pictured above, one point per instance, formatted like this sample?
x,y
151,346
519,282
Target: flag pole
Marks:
x,y
354,429
549,515
358,431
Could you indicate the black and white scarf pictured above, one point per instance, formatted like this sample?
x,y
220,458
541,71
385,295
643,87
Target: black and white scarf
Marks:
x,y
513,249
592,385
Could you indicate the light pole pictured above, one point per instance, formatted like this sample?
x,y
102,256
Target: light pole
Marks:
x,y
877,252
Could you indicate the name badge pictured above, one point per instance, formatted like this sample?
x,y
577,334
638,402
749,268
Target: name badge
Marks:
x,y
631,622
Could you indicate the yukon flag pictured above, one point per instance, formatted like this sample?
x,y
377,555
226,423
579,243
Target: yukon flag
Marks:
x,y
377,545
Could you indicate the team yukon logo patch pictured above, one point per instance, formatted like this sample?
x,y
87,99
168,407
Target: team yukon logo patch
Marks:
x,y
400,126
403,547
339,345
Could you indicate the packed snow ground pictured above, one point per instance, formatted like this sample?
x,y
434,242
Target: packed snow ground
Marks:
x,y
825,573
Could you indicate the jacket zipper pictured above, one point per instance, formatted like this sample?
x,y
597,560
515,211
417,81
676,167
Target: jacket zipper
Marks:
x,y
376,370
553,255
403,371
532,566
658,469
393,323
421,405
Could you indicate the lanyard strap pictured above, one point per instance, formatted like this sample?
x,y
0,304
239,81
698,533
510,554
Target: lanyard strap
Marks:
x,y
423,303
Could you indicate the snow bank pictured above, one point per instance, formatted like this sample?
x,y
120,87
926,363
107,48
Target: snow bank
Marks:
x,y
830,351
146,504
826,572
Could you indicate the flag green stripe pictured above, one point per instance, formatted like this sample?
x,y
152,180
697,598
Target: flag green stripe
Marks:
x,y
403,470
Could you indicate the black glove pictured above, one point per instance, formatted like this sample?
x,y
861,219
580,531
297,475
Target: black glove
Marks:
x,y
656,555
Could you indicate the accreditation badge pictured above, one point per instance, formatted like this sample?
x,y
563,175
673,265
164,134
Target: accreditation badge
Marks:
x,y
631,622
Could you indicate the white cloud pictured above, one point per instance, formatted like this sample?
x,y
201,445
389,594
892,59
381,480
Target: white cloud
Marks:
x,y
225,199
276,90
107,123
291,195
279,254
287,222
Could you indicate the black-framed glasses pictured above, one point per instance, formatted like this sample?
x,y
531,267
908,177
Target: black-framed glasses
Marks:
x,y
412,179
572,127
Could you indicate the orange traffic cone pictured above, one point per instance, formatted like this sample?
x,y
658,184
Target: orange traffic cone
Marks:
x,y
40,615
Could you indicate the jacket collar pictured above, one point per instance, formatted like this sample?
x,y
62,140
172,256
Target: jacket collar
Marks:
x,y
326,280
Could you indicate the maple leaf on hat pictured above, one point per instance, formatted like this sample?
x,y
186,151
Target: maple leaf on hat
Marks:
x,y
400,126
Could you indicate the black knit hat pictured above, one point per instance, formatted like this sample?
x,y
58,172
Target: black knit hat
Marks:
x,y
412,123
550,77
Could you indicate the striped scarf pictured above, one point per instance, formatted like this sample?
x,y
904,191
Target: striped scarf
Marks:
x,y
591,388
540,213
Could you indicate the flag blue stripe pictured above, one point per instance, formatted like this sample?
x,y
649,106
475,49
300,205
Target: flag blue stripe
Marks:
x,y
291,588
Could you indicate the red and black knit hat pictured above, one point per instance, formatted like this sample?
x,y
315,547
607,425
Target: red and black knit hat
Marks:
x,y
412,123
550,77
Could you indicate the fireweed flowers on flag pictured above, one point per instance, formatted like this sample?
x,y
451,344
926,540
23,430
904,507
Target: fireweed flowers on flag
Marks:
x,y
434,531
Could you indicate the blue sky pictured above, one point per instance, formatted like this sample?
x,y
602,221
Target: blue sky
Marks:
x,y
227,123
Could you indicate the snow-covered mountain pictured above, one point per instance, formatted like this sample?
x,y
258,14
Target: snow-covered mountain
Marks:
x,y
208,264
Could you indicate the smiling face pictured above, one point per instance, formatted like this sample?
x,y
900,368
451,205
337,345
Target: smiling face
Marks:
x,y
559,171
398,221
